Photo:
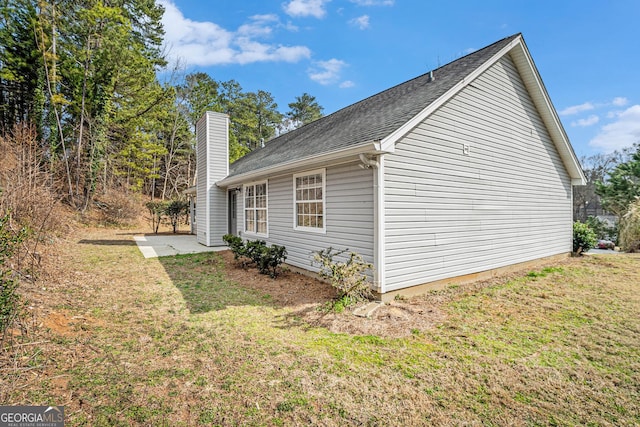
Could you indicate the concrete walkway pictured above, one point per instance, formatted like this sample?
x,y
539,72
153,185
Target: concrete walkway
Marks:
x,y
156,245
596,251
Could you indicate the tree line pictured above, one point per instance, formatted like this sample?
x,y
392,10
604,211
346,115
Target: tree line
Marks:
x,y
613,187
612,183
84,75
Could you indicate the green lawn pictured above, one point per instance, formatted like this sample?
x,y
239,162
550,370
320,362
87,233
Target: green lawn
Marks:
x,y
175,342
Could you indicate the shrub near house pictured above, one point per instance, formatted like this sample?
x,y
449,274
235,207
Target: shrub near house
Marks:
x,y
583,238
266,258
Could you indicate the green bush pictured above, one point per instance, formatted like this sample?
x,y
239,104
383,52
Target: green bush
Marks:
x,y
174,210
254,250
266,259
271,259
236,244
602,229
583,238
347,277
157,211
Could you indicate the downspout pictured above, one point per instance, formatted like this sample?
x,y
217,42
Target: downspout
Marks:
x,y
378,218
367,162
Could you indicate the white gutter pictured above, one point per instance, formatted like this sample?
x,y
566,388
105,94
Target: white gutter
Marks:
x,y
371,147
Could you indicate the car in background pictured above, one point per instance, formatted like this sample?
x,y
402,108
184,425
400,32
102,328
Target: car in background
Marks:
x,y
606,244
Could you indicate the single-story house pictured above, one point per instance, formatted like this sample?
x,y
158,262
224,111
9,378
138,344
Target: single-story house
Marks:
x,y
463,170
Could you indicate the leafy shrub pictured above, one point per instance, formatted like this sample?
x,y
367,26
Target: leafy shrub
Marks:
x,y
583,238
347,277
174,210
601,229
254,249
271,259
157,211
266,259
236,244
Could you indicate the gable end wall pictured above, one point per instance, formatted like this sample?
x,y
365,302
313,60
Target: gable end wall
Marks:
x,y
449,214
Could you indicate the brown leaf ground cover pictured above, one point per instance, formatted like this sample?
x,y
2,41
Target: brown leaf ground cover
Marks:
x,y
194,340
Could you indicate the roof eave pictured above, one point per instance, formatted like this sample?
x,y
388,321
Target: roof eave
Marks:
x,y
369,147
532,80
390,141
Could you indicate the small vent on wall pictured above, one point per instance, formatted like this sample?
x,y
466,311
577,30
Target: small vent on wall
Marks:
x,y
465,149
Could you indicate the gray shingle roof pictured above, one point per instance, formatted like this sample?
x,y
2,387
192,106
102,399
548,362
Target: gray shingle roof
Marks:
x,y
371,119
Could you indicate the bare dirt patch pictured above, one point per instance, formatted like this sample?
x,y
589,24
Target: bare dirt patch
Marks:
x,y
65,324
307,298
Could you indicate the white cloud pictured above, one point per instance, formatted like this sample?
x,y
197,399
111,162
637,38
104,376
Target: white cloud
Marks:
x,y
620,101
589,121
313,8
623,132
259,26
327,72
346,84
361,22
577,109
206,43
373,2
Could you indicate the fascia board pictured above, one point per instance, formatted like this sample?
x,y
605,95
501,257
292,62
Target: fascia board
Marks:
x,y
388,143
371,147
523,60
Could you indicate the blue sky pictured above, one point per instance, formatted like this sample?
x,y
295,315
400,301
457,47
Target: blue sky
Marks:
x,y
341,51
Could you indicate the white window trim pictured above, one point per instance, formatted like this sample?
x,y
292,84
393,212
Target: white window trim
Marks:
x,y
316,230
244,209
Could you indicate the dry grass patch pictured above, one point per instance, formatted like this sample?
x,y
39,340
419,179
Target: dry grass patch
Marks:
x,y
193,340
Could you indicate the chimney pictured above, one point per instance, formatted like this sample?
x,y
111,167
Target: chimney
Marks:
x,y
212,155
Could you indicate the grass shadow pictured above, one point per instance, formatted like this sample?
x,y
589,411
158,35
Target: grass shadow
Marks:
x,y
211,281
108,242
201,280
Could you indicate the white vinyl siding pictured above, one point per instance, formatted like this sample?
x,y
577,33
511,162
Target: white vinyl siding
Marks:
x,y
213,165
509,200
349,222
255,208
308,196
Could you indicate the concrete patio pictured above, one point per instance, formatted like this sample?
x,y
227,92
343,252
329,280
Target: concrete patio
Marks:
x,y
157,245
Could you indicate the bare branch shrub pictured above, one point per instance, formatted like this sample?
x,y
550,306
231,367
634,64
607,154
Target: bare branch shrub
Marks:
x,y
630,228
118,208
31,213
27,188
348,277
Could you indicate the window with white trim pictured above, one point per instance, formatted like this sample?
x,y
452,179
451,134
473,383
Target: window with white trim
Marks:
x,y
255,208
308,196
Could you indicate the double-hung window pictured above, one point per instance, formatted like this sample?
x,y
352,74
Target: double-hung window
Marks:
x,y
255,208
309,201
